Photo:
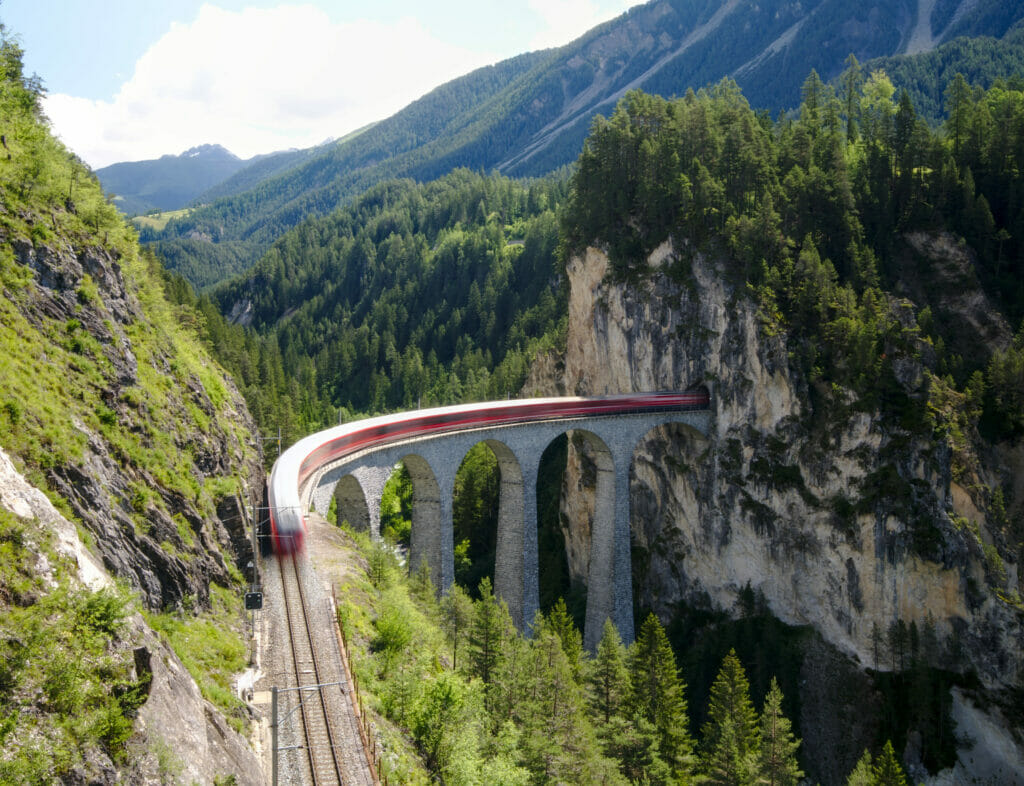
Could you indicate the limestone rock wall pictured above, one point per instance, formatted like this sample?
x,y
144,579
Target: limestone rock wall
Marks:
x,y
178,734
770,499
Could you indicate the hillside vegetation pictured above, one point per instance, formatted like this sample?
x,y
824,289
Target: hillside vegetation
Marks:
x,y
981,60
481,703
415,295
814,210
110,405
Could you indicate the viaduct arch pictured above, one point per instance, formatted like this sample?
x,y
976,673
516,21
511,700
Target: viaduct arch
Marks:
x,y
357,482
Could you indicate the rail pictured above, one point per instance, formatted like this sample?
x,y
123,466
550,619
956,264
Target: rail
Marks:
x,y
316,718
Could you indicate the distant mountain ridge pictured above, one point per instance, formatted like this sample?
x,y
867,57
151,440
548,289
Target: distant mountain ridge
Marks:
x,y
169,182
529,115
199,175
263,167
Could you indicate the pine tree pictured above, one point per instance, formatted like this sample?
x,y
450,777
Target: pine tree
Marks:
x,y
657,694
633,742
491,625
609,675
562,625
731,735
852,80
558,742
456,611
887,770
861,774
778,746
958,105
876,642
726,764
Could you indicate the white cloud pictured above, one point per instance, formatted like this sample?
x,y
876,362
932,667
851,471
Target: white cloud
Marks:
x,y
257,81
567,20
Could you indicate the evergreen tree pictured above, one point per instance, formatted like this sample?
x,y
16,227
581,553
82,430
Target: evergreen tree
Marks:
x,y
958,105
887,770
731,737
491,625
511,689
633,742
778,746
851,80
558,742
456,610
609,675
861,774
657,694
561,624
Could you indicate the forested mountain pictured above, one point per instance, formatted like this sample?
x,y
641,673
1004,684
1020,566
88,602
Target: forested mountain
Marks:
x,y
169,182
369,306
981,60
414,294
529,115
264,167
815,210
867,443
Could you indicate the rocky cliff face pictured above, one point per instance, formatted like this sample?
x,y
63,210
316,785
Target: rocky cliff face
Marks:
x,y
845,521
156,480
110,405
177,733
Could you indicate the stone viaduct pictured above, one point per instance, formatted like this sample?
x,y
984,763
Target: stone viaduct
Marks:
x,y
357,482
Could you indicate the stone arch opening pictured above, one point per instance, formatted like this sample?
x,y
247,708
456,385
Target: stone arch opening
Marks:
x,y
487,520
664,484
350,503
396,508
554,576
425,543
587,517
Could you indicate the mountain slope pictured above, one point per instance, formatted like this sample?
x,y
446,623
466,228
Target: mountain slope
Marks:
x,y
847,304
265,167
529,115
168,182
981,60
109,404
413,295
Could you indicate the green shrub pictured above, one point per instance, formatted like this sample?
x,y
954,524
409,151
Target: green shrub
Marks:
x,y
393,632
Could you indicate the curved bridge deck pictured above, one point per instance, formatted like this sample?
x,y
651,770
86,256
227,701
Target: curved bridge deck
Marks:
x,y
356,479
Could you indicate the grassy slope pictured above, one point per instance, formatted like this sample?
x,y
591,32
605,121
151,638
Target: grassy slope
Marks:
x,y
157,221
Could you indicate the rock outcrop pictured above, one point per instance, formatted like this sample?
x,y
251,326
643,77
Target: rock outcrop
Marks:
x,y
167,543
840,518
178,734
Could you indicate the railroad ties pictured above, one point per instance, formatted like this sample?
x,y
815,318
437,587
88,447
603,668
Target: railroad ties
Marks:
x,y
326,711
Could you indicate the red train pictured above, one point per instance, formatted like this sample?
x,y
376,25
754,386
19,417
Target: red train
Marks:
x,y
298,464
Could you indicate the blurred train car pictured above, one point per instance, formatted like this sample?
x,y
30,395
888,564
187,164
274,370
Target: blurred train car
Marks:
x,y
298,464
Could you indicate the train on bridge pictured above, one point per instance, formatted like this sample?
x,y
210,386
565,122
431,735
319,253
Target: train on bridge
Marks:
x,y
299,463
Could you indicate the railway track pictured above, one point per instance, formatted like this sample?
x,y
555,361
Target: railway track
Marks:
x,y
313,683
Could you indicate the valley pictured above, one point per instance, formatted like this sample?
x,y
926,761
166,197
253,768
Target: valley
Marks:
x,y
812,215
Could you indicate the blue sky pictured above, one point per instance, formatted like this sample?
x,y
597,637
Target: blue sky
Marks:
x,y
134,79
